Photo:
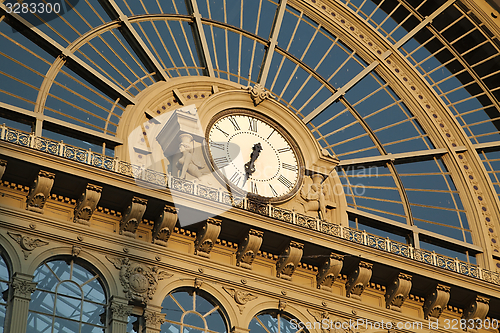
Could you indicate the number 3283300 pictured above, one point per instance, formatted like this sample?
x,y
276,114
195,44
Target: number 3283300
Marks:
x,y
470,324
33,8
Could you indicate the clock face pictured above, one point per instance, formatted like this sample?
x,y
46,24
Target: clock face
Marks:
x,y
254,155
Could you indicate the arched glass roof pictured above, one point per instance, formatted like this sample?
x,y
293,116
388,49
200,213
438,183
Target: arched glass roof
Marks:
x,y
401,92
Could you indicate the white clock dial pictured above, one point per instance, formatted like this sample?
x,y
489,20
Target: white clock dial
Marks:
x,y
253,155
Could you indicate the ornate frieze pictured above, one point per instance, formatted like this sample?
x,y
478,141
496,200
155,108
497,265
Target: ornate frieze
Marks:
x,y
289,260
241,297
132,217
258,93
477,309
358,280
40,191
329,271
436,302
164,225
249,248
87,203
138,280
27,243
206,237
398,291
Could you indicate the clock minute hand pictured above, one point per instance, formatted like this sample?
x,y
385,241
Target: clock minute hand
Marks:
x,y
249,166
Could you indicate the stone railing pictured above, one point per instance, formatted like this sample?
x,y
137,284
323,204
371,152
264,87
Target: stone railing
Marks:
x,y
159,179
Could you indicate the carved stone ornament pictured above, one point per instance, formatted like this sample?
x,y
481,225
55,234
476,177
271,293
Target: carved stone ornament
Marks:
x,y
139,281
154,319
3,166
132,217
397,292
87,203
477,309
164,225
436,302
40,191
281,305
358,280
316,196
22,287
289,260
120,310
240,297
27,243
206,237
258,93
75,250
198,283
249,248
329,271
319,317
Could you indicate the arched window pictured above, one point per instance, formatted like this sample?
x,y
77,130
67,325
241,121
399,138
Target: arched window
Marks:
x,y
4,285
189,312
275,322
68,298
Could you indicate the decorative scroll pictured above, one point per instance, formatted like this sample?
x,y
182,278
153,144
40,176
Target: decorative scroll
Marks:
x,y
132,217
206,237
164,225
40,191
358,280
436,302
289,260
329,271
86,204
397,292
249,248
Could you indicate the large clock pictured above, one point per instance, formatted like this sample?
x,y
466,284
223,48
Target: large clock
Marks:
x,y
254,155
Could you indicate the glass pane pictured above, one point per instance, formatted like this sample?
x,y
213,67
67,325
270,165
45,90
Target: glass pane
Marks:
x,y
172,310
60,268
65,326
69,288
45,279
170,328
68,307
2,317
93,291
194,319
42,302
91,313
4,271
39,323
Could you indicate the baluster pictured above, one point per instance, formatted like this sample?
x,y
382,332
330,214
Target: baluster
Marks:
x,y
31,143
365,241
89,157
4,130
61,148
434,259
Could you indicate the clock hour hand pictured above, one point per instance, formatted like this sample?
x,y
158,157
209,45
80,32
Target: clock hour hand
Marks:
x,y
249,166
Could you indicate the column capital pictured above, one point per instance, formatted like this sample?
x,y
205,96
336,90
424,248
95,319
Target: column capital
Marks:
x,y
23,285
153,318
120,309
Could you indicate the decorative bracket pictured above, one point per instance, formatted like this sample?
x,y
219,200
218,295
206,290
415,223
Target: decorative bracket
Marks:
x,y
3,166
258,93
40,191
164,225
206,237
477,310
87,203
249,248
132,217
289,260
329,271
27,243
358,280
436,302
397,292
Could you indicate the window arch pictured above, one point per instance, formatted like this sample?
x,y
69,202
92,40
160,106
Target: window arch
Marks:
x,y
68,298
191,310
275,322
4,285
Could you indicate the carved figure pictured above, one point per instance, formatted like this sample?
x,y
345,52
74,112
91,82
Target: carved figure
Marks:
x,y
316,195
191,162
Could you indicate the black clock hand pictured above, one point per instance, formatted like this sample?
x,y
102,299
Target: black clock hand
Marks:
x,y
249,166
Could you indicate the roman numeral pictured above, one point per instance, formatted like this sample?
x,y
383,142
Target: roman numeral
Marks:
x,y
253,187
273,190
271,134
221,162
289,167
220,129
284,150
235,178
235,124
285,181
218,145
253,124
